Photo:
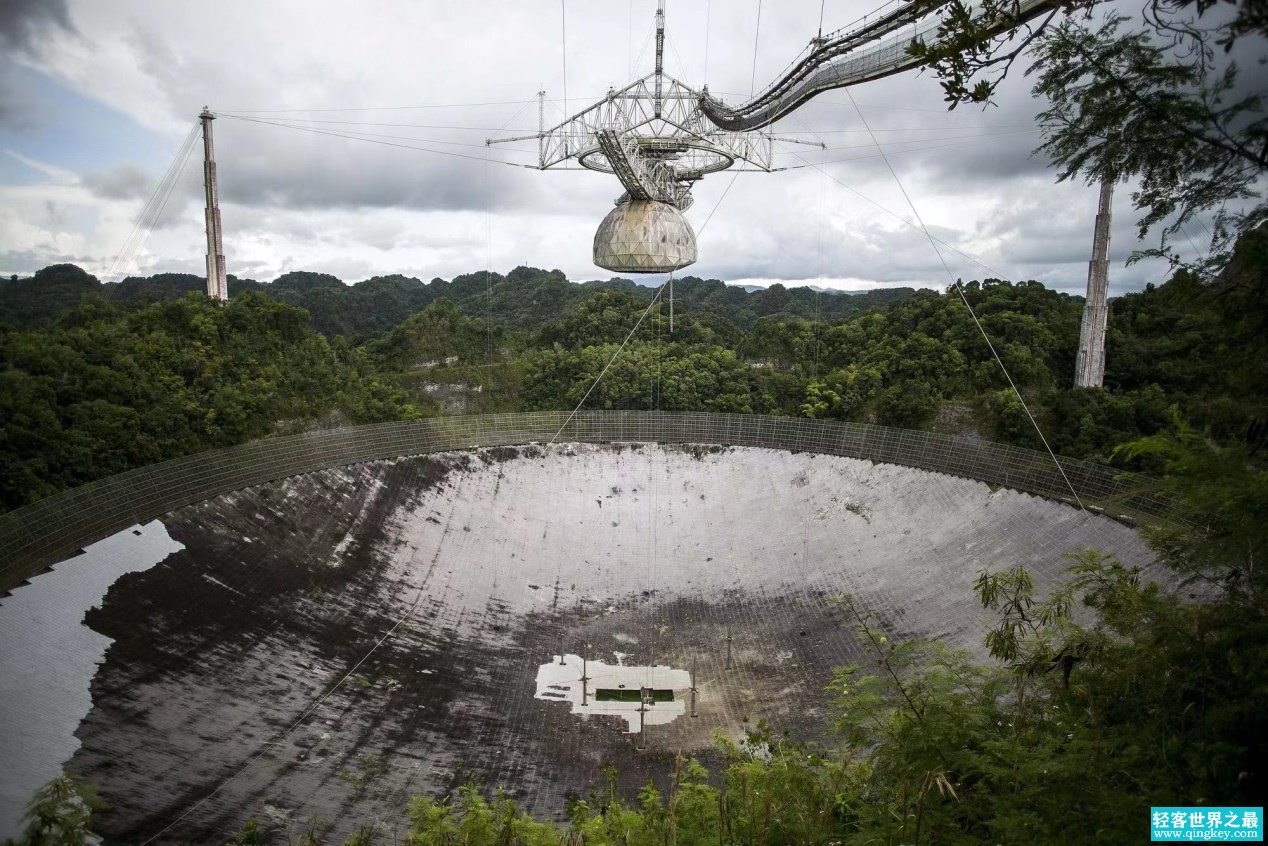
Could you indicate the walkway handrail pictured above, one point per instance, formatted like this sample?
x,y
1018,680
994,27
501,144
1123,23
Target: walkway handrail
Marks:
x,y
876,48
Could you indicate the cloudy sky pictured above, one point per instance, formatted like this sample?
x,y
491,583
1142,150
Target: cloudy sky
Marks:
x,y
97,96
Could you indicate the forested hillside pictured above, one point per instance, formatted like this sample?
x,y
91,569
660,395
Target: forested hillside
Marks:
x,y
104,390
524,299
1143,696
102,378
1095,701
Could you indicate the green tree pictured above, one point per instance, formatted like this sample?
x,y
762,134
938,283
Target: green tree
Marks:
x,y
909,405
60,814
107,389
1156,99
1221,493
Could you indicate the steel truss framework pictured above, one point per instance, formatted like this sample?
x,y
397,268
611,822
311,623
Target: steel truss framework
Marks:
x,y
652,135
872,48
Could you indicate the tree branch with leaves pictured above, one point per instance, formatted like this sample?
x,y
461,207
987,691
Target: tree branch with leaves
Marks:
x,y
1145,100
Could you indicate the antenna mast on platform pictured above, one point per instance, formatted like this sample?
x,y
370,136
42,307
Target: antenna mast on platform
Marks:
x,y
217,282
1089,369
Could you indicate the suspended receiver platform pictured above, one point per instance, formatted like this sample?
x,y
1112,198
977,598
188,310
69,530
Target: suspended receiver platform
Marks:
x,y
654,138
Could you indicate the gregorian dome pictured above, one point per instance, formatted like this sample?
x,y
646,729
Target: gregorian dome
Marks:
x,y
644,236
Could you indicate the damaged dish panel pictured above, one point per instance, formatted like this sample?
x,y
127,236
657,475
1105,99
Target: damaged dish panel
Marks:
x,y
379,631
639,696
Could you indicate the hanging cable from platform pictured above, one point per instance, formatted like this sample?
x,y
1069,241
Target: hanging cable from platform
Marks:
x,y
757,33
655,297
955,283
374,141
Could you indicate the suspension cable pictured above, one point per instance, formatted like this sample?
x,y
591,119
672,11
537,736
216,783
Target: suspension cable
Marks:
x,y
641,318
823,201
955,283
397,124
615,355
708,14
383,108
897,216
488,256
563,30
757,31
152,211
375,141
305,715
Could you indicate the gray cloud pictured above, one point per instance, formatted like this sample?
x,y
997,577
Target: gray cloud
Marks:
x,y
22,20
124,182
782,246
20,109
297,199
271,166
21,24
26,262
291,170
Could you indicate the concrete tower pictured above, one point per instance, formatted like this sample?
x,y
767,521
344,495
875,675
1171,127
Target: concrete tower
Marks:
x,y
1089,369
217,283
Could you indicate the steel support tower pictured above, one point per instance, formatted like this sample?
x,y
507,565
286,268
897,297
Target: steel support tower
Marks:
x,y
1089,369
217,281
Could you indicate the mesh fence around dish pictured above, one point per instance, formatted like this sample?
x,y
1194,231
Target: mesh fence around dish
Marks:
x,y
38,535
